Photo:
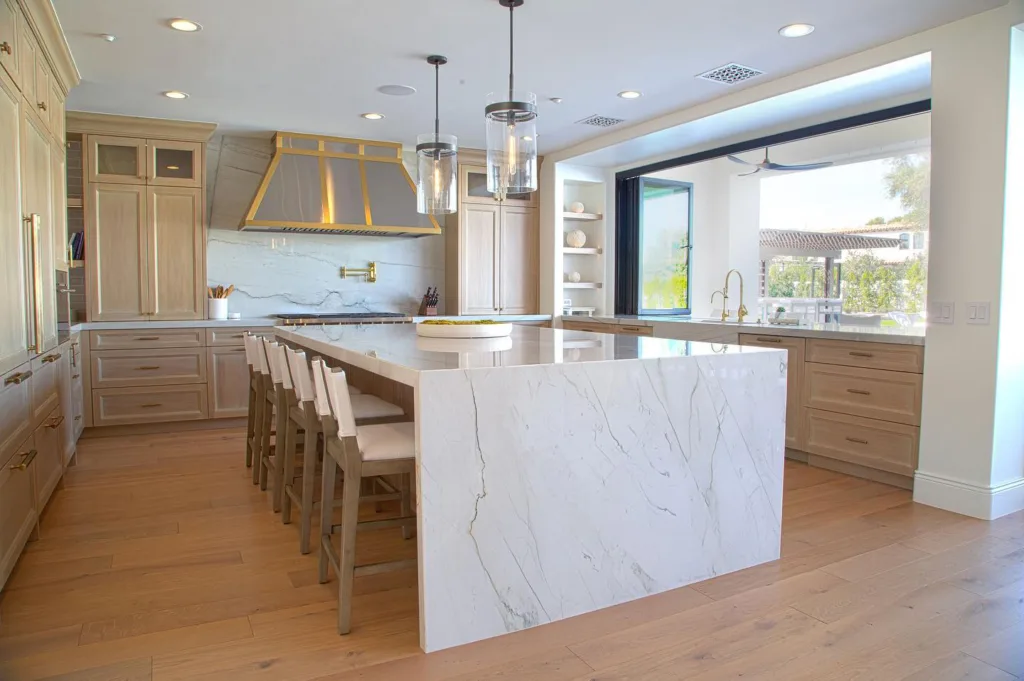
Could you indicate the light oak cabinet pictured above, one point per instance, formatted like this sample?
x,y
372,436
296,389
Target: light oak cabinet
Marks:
x,y
134,160
479,262
518,255
794,381
13,257
16,420
228,387
29,55
18,515
127,406
49,460
10,51
37,205
176,251
59,210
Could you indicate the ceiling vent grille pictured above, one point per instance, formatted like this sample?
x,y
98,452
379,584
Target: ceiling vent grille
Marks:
x,y
601,121
730,74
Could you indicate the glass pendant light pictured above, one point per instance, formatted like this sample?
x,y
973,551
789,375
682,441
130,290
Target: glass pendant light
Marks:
x,y
511,131
436,160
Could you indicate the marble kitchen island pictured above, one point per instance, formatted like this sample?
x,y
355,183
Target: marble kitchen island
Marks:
x,y
562,472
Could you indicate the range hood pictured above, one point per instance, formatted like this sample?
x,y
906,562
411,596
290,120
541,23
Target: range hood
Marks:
x,y
334,185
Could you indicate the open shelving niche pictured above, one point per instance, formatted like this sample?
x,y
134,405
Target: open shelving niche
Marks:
x,y
588,293
76,222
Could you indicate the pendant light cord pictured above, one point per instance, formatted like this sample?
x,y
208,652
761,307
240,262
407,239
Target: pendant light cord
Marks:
x,y
437,99
511,51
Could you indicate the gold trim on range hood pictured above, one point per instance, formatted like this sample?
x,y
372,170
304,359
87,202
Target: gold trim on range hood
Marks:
x,y
305,167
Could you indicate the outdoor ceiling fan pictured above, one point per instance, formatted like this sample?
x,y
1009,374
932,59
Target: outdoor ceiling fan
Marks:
x,y
766,164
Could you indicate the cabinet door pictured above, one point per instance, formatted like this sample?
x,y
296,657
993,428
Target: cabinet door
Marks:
x,y
10,51
49,463
518,264
17,506
42,98
57,112
177,253
794,381
27,59
59,197
65,385
228,385
116,262
13,255
15,409
174,164
479,267
116,160
37,200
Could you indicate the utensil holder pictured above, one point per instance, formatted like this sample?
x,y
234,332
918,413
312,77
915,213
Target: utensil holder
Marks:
x,y
218,308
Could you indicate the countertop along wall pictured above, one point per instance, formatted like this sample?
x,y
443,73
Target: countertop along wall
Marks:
x,y
280,273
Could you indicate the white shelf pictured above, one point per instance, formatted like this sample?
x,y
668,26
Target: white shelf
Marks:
x,y
582,284
581,251
582,217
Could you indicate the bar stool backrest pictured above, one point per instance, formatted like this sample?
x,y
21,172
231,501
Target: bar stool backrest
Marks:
x,y
321,401
301,377
251,358
270,348
341,403
259,346
281,358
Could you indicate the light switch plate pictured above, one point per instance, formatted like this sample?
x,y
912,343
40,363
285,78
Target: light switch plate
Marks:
x,y
940,312
979,313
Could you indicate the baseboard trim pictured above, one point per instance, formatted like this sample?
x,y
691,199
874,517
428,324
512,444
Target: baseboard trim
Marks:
x,y
166,427
966,498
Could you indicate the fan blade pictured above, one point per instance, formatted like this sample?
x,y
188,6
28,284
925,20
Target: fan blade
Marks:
x,y
749,174
736,159
806,166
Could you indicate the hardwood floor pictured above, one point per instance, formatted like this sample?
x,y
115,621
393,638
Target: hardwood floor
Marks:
x,y
159,561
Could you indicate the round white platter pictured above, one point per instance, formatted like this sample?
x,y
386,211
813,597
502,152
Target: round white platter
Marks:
x,y
463,330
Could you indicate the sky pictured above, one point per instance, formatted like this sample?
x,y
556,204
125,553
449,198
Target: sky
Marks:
x,y
827,199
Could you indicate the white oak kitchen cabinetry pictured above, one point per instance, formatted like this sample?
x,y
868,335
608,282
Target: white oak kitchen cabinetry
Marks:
x,y
13,258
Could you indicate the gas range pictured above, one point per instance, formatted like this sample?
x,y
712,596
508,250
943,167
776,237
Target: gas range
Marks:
x,y
308,318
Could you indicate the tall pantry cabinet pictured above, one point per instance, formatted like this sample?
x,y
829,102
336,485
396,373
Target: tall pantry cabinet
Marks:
x,y
145,235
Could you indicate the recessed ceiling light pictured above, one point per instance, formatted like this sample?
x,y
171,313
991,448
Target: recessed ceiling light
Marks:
x,y
176,94
185,25
631,94
796,30
372,116
109,38
397,90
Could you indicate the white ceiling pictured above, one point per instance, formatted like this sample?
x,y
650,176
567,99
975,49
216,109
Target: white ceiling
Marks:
x,y
314,65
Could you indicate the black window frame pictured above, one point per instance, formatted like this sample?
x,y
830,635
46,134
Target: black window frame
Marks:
x,y
644,182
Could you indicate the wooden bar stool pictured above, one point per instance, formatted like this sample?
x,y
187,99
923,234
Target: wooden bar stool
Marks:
x,y
283,400
251,358
360,452
261,407
367,409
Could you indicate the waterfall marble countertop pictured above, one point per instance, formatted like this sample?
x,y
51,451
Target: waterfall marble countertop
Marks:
x,y
663,328
562,472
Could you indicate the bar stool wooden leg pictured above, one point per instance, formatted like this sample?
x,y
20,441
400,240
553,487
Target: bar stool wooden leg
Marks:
x,y
277,482
349,527
266,427
330,470
309,464
291,438
250,426
259,429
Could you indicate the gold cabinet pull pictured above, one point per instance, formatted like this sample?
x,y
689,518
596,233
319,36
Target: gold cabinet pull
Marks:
x,y
151,405
18,379
857,392
855,353
26,461
42,106
74,376
5,47
147,368
769,340
239,335
50,359
856,440
55,423
238,350
148,338
78,418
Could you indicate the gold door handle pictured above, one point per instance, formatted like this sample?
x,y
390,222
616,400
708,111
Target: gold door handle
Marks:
x,y
35,224
147,368
42,106
55,423
856,441
854,353
50,359
6,48
857,392
148,338
26,461
150,406
769,340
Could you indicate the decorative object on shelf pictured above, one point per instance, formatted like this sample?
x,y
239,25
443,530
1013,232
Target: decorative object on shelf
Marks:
x,y
218,303
511,130
576,238
573,277
577,207
437,159
428,306
447,328
369,272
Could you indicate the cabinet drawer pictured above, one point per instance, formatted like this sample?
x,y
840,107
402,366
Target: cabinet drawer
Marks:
x,y
631,330
45,377
233,336
17,507
123,406
142,339
886,395
876,444
908,358
591,327
124,368
49,462
15,410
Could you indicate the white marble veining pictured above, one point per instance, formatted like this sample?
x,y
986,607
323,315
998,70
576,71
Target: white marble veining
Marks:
x,y
574,471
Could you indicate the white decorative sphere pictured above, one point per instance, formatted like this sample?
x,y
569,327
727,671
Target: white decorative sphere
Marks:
x,y
576,238
577,207
575,277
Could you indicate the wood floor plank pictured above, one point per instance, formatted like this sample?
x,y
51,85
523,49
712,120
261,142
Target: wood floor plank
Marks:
x,y
874,562
1004,650
960,667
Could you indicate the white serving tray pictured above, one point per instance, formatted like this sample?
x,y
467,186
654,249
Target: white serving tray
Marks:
x,y
463,330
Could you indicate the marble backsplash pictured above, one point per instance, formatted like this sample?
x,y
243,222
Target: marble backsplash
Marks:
x,y
279,273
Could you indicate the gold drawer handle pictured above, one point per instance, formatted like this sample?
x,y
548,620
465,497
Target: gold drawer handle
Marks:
x,y
50,359
6,48
78,418
147,368
857,392
151,406
769,340
854,353
856,441
238,335
17,379
55,423
42,106
238,350
148,338
26,461
74,376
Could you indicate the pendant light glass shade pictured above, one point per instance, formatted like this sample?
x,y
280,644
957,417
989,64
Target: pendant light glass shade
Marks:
x,y
437,160
511,143
437,163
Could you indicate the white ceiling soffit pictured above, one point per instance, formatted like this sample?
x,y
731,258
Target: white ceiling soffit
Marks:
x,y
315,65
900,82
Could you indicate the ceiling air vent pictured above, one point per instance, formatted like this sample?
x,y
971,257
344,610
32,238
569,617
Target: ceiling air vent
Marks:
x,y
730,74
601,121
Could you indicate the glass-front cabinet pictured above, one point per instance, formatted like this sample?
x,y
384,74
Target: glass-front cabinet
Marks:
x,y
473,180
131,160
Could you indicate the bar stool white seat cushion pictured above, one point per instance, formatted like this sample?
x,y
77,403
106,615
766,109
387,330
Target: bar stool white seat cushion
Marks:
x,y
373,407
387,441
